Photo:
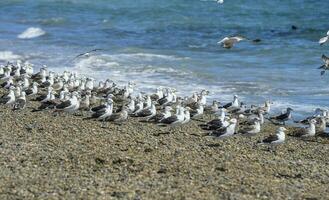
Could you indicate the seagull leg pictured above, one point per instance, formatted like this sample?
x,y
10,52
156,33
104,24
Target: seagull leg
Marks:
x,y
103,123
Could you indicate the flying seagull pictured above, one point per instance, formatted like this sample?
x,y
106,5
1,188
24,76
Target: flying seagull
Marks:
x,y
86,53
228,42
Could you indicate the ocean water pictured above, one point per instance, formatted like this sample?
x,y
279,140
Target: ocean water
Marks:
x,y
174,43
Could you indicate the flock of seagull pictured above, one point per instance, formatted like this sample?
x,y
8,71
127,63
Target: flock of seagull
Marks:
x,y
108,102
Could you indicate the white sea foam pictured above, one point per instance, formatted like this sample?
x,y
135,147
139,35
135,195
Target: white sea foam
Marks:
x,y
31,32
9,56
147,70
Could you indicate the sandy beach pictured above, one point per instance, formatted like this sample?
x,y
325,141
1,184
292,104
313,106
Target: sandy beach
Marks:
x,y
65,157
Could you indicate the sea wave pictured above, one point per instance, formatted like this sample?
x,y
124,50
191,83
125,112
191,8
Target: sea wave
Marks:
x,y
31,32
9,56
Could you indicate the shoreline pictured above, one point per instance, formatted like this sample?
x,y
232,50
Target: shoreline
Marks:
x,y
47,156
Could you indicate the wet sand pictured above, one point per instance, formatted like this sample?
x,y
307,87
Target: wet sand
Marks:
x,y
65,157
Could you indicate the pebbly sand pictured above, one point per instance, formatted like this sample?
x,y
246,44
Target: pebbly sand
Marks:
x,y
44,156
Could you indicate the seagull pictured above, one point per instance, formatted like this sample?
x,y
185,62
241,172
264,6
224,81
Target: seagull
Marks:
x,y
147,112
219,122
187,115
228,42
225,131
175,119
318,113
49,104
163,115
33,90
8,83
325,66
309,131
20,102
234,104
107,111
100,107
220,1
70,105
86,53
212,109
197,112
120,116
322,125
276,139
324,39
9,98
85,102
138,108
283,117
251,130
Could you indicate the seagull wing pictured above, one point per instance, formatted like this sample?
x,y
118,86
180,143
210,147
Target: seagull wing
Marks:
x,y
280,117
64,104
169,120
323,40
246,129
4,99
223,40
219,132
97,108
270,139
144,113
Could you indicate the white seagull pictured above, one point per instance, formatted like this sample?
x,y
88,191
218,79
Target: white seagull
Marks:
x,y
276,139
225,131
229,42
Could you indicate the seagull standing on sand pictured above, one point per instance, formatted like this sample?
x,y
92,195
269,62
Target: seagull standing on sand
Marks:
x,y
325,66
9,98
197,112
322,125
175,119
187,115
70,105
229,42
276,139
163,115
20,102
234,104
309,131
33,90
251,130
147,112
212,109
120,116
225,131
324,39
219,122
283,117
8,83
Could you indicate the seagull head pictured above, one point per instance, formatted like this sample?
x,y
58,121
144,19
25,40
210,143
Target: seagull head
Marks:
x,y
312,121
289,109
